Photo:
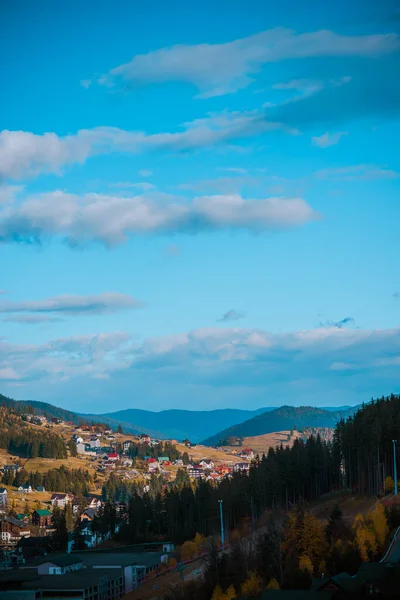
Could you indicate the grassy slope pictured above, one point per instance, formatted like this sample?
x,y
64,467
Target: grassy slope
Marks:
x,y
281,419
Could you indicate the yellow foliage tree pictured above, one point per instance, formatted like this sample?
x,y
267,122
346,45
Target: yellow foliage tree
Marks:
x,y
230,593
305,564
380,524
273,585
218,594
365,538
252,586
188,550
389,484
305,535
171,562
199,541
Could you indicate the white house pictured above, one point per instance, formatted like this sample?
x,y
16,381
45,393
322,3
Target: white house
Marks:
x,y
95,443
3,499
61,500
26,489
80,448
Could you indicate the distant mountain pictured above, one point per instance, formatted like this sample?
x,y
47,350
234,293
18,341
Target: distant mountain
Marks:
x,y
180,424
281,419
55,412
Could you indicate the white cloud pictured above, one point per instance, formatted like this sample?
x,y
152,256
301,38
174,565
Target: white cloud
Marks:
x,y
24,154
7,373
110,219
145,173
86,83
357,173
69,304
217,69
354,363
8,193
65,358
328,139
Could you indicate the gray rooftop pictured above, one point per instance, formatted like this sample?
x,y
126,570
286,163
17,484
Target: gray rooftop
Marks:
x,y
61,560
72,581
123,559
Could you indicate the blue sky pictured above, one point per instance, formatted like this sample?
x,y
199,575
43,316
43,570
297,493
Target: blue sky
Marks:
x,y
199,203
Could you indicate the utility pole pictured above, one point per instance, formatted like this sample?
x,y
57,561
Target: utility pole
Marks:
x,y
222,524
394,467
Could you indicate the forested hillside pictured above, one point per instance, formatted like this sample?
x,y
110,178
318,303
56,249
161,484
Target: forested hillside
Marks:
x,y
281,419
365,443
19,438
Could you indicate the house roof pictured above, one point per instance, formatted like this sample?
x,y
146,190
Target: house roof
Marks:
x,y
3,490
43,513
60,560
15,522
78,580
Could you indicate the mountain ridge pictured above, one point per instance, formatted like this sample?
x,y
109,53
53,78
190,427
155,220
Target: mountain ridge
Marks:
x,y
282,419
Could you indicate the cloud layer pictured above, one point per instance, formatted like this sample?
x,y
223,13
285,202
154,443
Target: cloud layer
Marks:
x,y
217,69
24,154
110,219
233,365
67,304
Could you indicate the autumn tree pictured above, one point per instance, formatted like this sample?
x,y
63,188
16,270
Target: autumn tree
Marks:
x,y
252,586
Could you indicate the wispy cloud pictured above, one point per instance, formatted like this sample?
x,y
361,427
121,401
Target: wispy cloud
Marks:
x,y
328,139
24,154
8,193
31,319
232,315
86,83
217,69
357,173
347,321
145,173
110,219
108,302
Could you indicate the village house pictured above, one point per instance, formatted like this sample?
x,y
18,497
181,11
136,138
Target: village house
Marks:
x,y
94,503
23,517
8,468
3,499
12,531
77,439
42,518
94,443
60,500
25,489
40,488
241,467
113,456
127,445
145,439
88,515
207,464
195,472
80,448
